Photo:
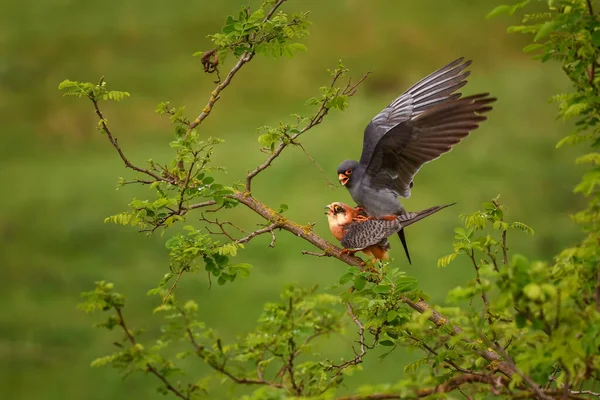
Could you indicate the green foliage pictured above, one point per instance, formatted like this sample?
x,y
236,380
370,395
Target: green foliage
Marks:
x,y
534,333
253,32
93,91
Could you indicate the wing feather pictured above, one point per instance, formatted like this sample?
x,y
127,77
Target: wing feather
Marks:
x,y
403,150
360,235
434,89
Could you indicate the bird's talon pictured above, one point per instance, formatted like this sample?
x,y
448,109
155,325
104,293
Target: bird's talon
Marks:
x,y
348,252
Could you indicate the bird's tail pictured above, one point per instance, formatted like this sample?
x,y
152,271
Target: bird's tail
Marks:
x,y
412,217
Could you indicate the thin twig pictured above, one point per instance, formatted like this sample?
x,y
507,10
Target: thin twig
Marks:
x,y
530,382
268,229
214,95
200,205
597,291
186,182
446,387
316,119
221,227
358,357
576,392
591,10
149,366
483,295
245,58
173,285
331,185
200,352
505,256
113,141
311,253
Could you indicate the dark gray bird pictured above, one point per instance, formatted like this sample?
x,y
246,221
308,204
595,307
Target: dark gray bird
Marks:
x,y
419,126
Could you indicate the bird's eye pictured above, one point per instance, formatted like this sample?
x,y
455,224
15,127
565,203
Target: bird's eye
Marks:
x,y
337,209
348,172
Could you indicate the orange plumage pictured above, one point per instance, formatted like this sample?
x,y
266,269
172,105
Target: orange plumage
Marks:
x,y
340,216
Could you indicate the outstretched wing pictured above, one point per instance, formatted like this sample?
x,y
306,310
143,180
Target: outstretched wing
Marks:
x,y
402,151
429,91
360,235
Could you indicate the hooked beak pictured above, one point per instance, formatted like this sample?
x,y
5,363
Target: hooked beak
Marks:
x,y
328,210
343,179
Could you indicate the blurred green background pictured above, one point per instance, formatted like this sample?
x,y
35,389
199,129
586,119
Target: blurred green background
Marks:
x,y
59,174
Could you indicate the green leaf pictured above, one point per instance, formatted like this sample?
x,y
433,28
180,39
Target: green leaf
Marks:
x,y
66,84
382,289
298,47
360,282
406,284
347,277
596,38
386,343
545,30
533,291
498,10
532,47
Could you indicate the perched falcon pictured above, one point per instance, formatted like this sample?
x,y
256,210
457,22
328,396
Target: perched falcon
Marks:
x,y
340,216
358,233
419,126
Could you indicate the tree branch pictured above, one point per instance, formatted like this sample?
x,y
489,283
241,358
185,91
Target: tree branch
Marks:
x,y
115,144
316,119
446,387
217,367
358,358
306,233
268,229
597,291
245,58
149,366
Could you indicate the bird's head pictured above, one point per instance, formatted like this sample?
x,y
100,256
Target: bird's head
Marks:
x,y
347,172
340,213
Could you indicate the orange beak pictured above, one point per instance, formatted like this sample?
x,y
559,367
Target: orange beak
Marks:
x,y
343,179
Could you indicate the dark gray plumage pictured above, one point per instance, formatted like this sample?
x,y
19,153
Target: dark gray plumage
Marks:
x,y
362,234
419,126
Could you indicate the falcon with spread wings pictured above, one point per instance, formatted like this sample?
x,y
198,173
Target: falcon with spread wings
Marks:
x,y
419,126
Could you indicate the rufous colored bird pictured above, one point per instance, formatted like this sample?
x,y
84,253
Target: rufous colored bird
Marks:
x,y
419,126
357,232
